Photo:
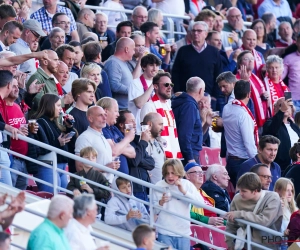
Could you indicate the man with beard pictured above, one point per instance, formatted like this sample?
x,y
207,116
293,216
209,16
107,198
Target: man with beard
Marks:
x,y
264,173
267,151
160,103
9,34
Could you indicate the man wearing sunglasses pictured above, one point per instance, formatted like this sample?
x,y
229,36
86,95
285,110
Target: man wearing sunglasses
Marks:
x,y
160,103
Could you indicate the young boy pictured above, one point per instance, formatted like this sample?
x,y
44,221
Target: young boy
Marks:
x,y
144,237
77,186
121,211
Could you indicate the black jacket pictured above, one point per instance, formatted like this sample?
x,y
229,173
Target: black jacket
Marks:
x,y
275,126
141,164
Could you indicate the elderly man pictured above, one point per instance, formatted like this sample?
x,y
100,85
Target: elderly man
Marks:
x,y
62,76
78,230
85,21
100,28
139,16
267,151
285,32
235,23
217,179
56,38
264,174
118,72
9,34
194,173
197,55
188,121
45,14
50,234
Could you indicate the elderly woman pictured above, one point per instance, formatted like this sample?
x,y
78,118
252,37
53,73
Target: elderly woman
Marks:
x,y
78,230
273,82
92,71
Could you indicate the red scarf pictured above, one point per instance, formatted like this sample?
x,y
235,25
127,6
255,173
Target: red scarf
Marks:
x,y
59,89
3,110
237,102
196,4
257,59
144,83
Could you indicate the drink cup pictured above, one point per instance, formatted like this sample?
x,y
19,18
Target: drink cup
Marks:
x,y
230,40
163,51
144,128
31,125
116,159
128,127
168,193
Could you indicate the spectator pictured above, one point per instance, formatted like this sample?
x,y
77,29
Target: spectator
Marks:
x,y
85,21
280,9
49,234
11,31
100,28
141,89
155,148
31,33
119,143
130,4
119,75
264,173
188,121
7,13
61,78
255,205
78,57
124,29
208,17
93,137
160,103
113,17
54,134
173,173
267,151
261,33
198,53
124,212
238,122
78,186
66,53
291,70
143,162
270,22
139,16
285,188
296,29
5,241
235,23
56,38
62,21
293,226
45,14
78,231
144,237
285,32
194,173
282,127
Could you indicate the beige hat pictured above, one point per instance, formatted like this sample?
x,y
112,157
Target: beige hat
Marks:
x,y
35,26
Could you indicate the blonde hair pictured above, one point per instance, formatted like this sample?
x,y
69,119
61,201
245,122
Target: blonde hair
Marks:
x,y
176,164
87,68
87,151
280,188
105,102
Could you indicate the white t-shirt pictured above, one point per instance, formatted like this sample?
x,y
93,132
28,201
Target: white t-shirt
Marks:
x,y
293,135
114,17
135,90
175,7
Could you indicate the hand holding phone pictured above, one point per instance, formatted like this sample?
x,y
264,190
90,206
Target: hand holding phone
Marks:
x,y
287,95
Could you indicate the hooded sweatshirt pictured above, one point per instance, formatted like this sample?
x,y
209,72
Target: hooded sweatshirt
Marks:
x,y
189,125
119,206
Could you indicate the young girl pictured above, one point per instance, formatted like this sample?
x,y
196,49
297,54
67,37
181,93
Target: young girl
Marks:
x,y
173,173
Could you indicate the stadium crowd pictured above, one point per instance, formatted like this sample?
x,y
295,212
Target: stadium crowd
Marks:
x,y
125,95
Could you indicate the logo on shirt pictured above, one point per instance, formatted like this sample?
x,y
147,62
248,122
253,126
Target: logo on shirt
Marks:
x,y
16,121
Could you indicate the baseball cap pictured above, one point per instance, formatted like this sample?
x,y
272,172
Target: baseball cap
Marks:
x,y
191,165
35,26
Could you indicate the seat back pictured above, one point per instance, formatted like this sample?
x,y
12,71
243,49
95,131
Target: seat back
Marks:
x,y
44,195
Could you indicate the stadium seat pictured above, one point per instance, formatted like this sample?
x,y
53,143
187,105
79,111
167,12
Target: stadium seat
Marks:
x,y
209,156
30,192
44,195
32,185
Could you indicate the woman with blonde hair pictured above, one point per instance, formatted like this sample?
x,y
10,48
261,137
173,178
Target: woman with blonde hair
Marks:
x,y
285,188
92,71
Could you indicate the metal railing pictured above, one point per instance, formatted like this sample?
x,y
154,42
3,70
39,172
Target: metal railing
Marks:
x,y
151,187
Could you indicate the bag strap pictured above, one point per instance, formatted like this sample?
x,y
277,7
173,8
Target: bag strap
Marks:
x,y
263,193
48,127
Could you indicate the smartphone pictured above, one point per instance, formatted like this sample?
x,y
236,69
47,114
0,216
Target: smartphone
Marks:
x,y
71,134
287,95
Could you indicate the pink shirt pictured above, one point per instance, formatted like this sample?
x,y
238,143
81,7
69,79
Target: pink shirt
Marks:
x,y
292,70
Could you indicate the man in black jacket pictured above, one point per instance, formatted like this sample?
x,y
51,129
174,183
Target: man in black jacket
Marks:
x,y
143,162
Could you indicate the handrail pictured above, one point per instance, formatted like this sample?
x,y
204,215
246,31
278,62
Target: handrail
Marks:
x,y
146,184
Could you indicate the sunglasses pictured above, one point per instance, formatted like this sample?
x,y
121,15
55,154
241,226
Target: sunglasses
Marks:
x,y
168,84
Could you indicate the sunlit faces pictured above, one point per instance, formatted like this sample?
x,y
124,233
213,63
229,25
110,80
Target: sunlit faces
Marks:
x,y
153,35
259,29
87,97
157,126
163,88
289,193
139,42
90,157
57,39
265,177
14,93
125,188
95,75
140,17
52,62
249,40
234,16
62,74
222,178
11,37
274,71
112,113
210,22
64,23
66,215
149,241
97,118
285,32
204,103
215,41
268,153
68,58
100,23
78,55
170,177
218,25
226,88
199,33
248,61
130,119
125,31
195,175
151,70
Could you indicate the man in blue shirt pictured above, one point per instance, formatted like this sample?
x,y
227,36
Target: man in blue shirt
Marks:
x,y
267,151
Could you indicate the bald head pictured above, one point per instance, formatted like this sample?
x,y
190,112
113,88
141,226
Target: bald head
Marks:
x,y
151,117
124,42
93,110
249,39
63,66
50,65
125,49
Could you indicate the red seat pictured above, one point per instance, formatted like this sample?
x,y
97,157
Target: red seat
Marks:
x,y
218,238
44,195
32,185
30,192
209,156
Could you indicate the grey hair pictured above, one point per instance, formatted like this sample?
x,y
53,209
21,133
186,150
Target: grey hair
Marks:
x,y
6,54
194,84
59,203
226,76
274,59
284,22
82,203
213,169
200,23
55,30
191,25
153,15
88,68
137,8
102,14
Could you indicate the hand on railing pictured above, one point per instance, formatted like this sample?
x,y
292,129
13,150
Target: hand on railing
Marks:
x,y
24,129
230,216
14,131
216,221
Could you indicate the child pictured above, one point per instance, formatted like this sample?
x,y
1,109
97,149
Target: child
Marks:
x,y
173,173
78,186
144,237
121,211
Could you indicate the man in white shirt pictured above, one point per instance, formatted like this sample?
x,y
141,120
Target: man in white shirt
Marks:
x,y
141,88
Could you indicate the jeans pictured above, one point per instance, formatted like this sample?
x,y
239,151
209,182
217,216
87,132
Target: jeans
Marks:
x,y
5,174
46,174
179,243
297,105
233,167
18,181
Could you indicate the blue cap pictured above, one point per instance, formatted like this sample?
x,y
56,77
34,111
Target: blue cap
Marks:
x,y
191,165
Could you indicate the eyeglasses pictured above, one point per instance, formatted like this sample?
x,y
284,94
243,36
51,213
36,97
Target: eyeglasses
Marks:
x,y
248,59
168,84
142,17
196,172
197,31
63,23
36,35
266,177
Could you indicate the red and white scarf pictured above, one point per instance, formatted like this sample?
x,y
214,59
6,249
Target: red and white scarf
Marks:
x,y
257,59
255,96
169,134
255,131
273,91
